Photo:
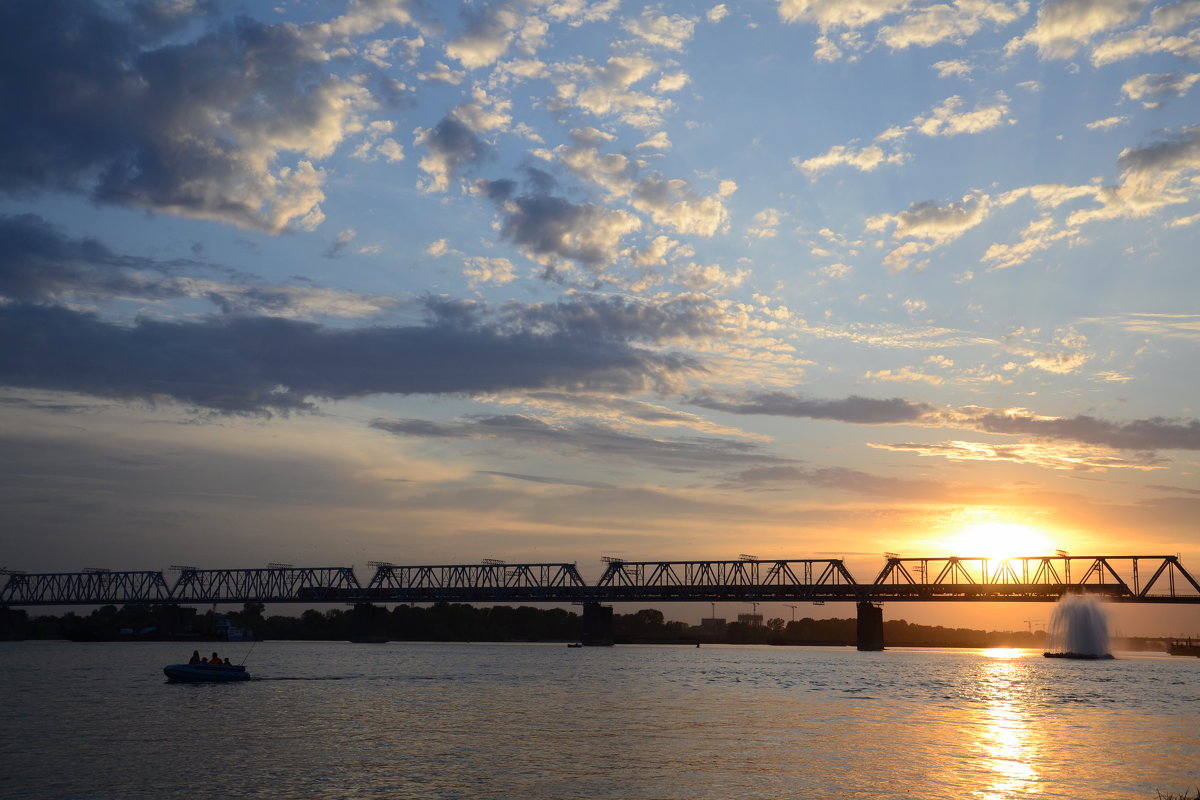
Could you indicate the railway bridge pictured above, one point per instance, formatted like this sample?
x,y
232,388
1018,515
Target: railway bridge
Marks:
x,y
1126,579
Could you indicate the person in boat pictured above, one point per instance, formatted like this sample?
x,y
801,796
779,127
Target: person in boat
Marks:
x,y
195,659
226,662
215,659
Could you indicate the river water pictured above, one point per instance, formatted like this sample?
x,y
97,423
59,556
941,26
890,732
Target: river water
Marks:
x,y
403,720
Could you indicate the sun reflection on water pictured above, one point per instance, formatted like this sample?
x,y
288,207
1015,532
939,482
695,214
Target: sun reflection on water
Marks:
x,y
1008,740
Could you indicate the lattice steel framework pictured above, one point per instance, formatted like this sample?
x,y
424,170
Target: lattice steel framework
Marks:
x,y
269,585
1036,578
93,587
745,579
488,582
1033,579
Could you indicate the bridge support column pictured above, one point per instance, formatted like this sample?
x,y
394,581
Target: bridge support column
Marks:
x,y
597,625
870,627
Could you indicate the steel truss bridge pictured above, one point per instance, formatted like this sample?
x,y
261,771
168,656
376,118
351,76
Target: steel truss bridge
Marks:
x,y
1133,579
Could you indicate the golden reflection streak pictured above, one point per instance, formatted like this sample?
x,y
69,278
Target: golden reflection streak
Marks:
x,y
1007,740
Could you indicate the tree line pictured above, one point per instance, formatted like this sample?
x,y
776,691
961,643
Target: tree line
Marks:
x,y
457,622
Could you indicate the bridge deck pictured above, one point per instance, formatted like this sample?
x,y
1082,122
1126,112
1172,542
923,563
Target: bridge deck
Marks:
x,y
952,579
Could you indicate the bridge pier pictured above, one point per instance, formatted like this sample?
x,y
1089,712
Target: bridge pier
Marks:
x,y
597,625
870,626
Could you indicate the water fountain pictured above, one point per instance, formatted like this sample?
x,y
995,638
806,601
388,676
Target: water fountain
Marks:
x,y
1078,629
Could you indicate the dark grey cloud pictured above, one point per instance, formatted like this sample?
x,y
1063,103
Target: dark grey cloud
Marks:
x,y
682,454
97,102
1155,433
855,409
39,262
551,227
260,364
452,147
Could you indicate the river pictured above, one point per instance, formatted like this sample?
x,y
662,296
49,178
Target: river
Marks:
x,y
414,720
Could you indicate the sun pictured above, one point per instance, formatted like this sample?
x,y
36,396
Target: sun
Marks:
x,y
999,540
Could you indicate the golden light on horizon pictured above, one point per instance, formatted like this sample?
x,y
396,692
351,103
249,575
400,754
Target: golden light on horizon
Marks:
x,y
996,539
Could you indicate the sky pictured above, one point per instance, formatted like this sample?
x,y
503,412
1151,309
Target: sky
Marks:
x,y
552,280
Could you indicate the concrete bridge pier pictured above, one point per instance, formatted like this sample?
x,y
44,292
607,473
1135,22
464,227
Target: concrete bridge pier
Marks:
x,y
870,626
597,625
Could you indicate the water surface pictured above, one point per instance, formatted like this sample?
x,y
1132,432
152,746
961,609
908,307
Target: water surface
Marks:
x,y
403,720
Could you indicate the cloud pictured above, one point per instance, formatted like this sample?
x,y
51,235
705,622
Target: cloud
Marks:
x,y
1065,26
551,228
451,146
933,24
1039,455
956,69
227,126
864,159
669,31
240,365
489,34
39,263
947,120
1106,123
607,90
686,454
854,409
1150,88
838,13
673,203
937,225
1147,435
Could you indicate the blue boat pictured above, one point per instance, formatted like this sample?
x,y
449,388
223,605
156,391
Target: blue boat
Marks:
x,y
205,673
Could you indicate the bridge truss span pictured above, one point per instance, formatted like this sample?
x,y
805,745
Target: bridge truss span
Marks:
x,y
268,585
90,587
485,582
745,579
1143,579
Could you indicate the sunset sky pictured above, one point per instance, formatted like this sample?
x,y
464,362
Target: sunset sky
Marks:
x,y
554,280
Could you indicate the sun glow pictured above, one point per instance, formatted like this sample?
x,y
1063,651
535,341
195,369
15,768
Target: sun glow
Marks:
x,y
1000,540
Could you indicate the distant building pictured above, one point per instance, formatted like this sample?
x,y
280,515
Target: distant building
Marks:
x,y
754,620
712,626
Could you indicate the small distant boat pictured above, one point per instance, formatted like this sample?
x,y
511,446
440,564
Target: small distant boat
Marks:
x,y
1184,647
205,673
575,644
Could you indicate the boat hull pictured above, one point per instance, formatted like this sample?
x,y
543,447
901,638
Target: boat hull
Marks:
x,y
205,673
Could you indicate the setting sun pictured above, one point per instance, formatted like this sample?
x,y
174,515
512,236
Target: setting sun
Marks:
x,y
999,540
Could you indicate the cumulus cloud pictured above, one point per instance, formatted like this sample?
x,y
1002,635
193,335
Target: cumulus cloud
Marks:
x,y
1106,123
550,228
669,31
227,126
948,120
239,364
838,13
955,69
451,146
1066,26
607,90
1151,88
673,203
936,225
865,159
489,33
925,27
